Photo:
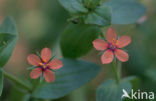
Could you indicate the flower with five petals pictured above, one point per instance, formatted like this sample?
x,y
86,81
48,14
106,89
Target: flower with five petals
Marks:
x,y
112,47
44,65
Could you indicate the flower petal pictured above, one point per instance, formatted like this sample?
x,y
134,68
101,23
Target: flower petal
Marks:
x,y
49,75
123,41
46,54
121,55
107,57
111,35
55,64
100,44
34,60
35,73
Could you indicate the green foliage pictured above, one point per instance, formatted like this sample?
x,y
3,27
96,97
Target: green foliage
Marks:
x,y
1,82
100,16
16,94
94,13
135,81
125,11
77,40
111,91
91,4
8,38
122,11
73,75
73,6
22,83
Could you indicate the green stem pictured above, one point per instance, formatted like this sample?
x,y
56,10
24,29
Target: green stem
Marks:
x,y
120,68
15,80
115,69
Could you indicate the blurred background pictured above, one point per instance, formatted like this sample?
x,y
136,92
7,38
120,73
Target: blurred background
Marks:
x,y
40,23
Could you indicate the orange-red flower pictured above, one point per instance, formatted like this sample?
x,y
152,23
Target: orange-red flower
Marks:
x,y
112,46
44,65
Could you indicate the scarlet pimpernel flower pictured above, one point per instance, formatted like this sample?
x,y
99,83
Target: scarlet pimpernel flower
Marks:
x,y
44,65
112,47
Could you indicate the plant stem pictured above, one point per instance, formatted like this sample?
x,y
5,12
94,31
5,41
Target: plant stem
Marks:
x,y
120,68
115,69
15,80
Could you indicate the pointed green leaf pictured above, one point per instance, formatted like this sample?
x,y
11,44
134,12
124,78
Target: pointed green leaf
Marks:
x,y
73,6
111,91
76,40
73,75
125,11
101,16
8,38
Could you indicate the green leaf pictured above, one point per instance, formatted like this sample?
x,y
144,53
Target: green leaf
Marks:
x,y
1,82
73,6
73,75
125,11
76,40
101,16
17,94
111,91
91,4
8,38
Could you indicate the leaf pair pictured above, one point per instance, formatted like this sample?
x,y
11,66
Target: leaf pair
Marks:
x,y
111,12
88,11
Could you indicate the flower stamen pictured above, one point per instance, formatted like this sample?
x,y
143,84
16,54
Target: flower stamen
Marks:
x,y
43,66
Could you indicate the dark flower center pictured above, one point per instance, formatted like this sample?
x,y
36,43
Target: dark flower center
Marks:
x,y
113,46
43,66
